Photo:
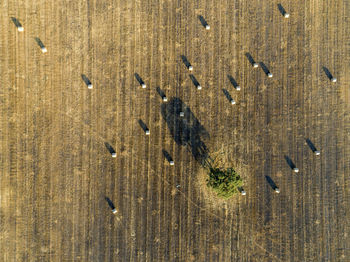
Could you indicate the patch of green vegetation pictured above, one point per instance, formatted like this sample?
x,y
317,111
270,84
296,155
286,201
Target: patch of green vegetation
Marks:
x,y
225,182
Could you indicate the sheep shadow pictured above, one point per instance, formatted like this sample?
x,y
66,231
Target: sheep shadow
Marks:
x,y
160,92
16,22
233,81
327,72
282,10
250,59
185,61
271,182
312,146
290,162
139,79
194,81
186,130
39,42
203,21
110,148
227,94
86,80
143,125
167,155
110,203
264,68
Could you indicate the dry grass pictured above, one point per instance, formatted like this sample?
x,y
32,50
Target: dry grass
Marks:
x,y
55,170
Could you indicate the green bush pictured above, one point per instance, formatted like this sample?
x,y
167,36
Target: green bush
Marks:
x,y
225,182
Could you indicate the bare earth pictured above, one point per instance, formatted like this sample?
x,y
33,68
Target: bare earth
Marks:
x,y
56,170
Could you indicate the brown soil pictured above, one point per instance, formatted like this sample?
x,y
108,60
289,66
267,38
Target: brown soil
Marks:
x,y
55,170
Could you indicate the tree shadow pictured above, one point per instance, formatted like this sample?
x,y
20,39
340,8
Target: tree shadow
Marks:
x,y
16,22
110,148
282,10
203,21
186,130
290,162
271,182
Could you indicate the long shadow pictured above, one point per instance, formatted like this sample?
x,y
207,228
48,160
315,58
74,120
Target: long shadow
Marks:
x,y
271,182
282,10
312,147
251,60
327,72
228,96
167,156
203,21
160,92
110,148
110,203
86,80
233,82
186,62
264,68
139,79
143,126
195,81
186,130
16,22
290,162
39,42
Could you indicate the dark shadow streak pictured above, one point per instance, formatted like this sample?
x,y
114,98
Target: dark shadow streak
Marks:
x,y
264,68
227,94
250,59
282,10
271,182
185,61
143,125
110,148
110,203
167,156
233,81
327,72
160,92
290,162
86,79
311,145
139,79
194,80
201,18
16,22
39,42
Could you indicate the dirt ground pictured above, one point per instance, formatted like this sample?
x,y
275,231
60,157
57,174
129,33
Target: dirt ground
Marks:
x,y
56,170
